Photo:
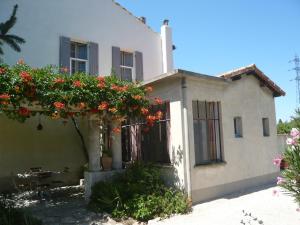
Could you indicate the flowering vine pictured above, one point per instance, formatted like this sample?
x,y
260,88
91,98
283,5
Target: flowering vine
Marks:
x,y
25,91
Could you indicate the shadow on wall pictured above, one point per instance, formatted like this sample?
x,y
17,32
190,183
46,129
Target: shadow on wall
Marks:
x,y
170,172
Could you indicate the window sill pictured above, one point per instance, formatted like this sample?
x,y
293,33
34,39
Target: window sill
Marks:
x,y
215,163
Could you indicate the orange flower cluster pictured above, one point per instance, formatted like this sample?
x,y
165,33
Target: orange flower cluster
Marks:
x,y
116,130
25,77
2,70
137,97
149,89
59,105
81,105
101,83
119,88
113,110
59,81
4,99
77,84
144,111
103,106
24,111
158,101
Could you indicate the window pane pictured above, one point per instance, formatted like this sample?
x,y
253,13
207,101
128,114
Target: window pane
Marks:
x,y
73,50
82,51
238,129
126,59
266,128
202,110
126,74
73,67
200,142
81,67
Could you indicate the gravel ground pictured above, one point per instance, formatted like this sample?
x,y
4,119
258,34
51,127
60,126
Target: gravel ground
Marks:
x,y
264,205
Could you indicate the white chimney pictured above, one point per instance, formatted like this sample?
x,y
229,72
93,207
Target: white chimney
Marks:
x,y
167,47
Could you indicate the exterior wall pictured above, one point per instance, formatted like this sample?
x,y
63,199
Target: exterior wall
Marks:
x,y
55,147
41,23
281,142
170,90
248,160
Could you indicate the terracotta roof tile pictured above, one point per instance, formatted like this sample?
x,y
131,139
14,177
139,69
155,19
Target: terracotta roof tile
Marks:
x,y
253,70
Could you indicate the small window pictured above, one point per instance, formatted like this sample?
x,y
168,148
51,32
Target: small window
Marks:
x,y
79,58
238,127
266,128
126,65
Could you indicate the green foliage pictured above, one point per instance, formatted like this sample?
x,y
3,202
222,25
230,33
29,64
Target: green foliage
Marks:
x,y
59,95
13,41
291,174
139,193
9,215
283,127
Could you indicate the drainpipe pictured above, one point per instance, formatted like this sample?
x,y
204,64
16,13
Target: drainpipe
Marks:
x,y
186,147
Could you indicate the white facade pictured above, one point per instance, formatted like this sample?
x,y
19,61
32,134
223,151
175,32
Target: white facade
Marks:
x,y
42,22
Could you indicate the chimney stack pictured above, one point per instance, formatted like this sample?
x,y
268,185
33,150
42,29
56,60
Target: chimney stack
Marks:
x,y
167,47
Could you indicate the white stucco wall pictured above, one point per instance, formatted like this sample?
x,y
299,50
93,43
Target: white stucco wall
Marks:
x,y
248,157
41,23
170,90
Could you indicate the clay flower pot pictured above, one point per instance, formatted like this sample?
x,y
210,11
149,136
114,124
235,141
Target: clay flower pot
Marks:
x,y
106,162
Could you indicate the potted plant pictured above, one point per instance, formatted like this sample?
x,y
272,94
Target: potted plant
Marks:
x,y
106,159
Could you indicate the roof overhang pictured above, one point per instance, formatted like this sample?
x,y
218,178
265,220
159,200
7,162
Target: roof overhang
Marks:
x,y
253,70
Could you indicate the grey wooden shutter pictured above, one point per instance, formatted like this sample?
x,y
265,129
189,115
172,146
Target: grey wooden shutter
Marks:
x,y
139,71
93,58
116,61
64,52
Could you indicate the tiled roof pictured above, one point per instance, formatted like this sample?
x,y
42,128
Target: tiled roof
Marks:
x,y
130,13
253,70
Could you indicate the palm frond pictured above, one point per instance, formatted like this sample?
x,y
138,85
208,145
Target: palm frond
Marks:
x,y
7,25
13,37
15,46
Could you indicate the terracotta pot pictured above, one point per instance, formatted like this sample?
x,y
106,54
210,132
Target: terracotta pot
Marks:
x,y
106,162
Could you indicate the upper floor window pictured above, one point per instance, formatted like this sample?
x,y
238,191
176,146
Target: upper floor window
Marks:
x,y
266,127
207,132
238,128
79,58
127,65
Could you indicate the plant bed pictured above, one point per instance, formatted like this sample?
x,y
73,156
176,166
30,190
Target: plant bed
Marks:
x,y
138,193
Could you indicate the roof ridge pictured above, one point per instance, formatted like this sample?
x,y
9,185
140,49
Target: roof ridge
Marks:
x,y
131,14
237,69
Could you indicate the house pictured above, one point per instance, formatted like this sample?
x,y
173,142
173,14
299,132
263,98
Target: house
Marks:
x,y
218,133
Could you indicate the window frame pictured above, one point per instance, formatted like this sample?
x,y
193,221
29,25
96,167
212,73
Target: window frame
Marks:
x,y
79,59
122,52
236,134
266,127
218,138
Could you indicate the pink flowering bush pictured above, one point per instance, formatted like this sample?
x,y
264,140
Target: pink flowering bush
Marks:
x,y
290,163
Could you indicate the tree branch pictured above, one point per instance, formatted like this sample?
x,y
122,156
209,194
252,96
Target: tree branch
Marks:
x,y
81,138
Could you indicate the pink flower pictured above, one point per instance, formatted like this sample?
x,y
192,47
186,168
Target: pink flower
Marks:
x,y
295,133
298,209
277,161
290,141
59,105
77,83
280,180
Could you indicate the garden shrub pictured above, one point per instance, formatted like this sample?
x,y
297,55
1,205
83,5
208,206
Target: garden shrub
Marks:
x,y
9,215
139,193
290,163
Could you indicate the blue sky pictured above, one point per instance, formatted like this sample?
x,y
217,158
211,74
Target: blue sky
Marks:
x,y
214,36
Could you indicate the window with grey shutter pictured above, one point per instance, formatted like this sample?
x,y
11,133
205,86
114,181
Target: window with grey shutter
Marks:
x,y
116,61
93,58
139,66
238,128
64,52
